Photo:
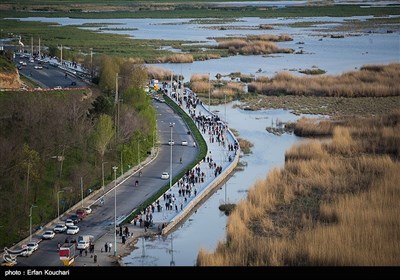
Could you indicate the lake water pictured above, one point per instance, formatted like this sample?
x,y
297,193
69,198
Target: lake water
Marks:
x,y
206,226
334,55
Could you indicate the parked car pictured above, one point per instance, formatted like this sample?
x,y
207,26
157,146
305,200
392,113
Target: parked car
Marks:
x,y
88,210
184,143
73,230
165,175
60,228
69,223
48,234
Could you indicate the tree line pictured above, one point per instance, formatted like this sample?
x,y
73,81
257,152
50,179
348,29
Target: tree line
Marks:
x,y
53,144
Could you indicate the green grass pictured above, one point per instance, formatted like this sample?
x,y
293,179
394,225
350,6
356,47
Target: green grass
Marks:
x,y
202,153
6,65
314,71
191,11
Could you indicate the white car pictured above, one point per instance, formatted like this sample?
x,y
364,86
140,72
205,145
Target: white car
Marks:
x,y
38,67
171,142
184,143
60,228
82,244
32,246
73,230
48,234
26,253
165,175
88,210
69,223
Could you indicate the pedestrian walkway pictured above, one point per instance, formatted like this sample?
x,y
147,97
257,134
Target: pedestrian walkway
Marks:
x,y
175,203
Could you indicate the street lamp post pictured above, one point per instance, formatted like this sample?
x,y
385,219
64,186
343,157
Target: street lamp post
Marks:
x,y
91,63
30,222
154,132
209,92
138,153
58,205
115,209
102,173
171,125
82,191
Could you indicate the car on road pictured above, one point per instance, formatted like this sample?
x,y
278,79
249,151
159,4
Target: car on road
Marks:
x,y
75,218
171,142
184,143
81,214
60,228
58,87
31,247
69,222
88,210
73,230
38,67
83,244
48,234
165,175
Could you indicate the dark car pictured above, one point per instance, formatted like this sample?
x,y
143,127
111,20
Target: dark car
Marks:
x,y
75,218
73,84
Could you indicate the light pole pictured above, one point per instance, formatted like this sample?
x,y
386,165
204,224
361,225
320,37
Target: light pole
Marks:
x,y
82,191
115,209
209,92
30,222
138,153
122,163
91,63
154,132
58,205
171,125
102,173
60,159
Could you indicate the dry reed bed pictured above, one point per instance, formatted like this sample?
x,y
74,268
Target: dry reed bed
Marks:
x,y
158,73
254,44
176,58
333,203
369,81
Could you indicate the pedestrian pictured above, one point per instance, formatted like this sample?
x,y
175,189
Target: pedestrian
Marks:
x,y
105,247
95,258
85,252
109,247
180,160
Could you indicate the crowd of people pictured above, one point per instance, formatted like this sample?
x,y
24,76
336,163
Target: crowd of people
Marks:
x,y
194,180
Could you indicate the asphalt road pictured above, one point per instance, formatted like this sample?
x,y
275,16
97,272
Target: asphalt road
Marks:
x,y
49,76
128,196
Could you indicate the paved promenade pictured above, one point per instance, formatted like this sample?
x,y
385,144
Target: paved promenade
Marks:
x,y
177,202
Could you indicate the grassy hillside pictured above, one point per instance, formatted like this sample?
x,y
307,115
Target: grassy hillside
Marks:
x,y
50,142
6,66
